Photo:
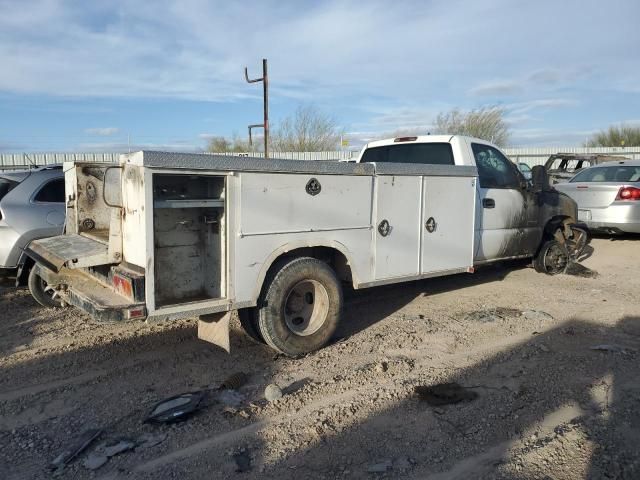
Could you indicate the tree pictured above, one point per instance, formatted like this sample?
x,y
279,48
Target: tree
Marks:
x,y
616,136
308,130
225,145
487,123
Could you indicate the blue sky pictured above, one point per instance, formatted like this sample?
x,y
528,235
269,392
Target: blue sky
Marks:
x,y
98,75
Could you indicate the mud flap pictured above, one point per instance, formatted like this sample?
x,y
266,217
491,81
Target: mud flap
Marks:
x,y
214,328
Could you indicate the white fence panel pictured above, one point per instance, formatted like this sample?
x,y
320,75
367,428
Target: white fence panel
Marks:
x,y
13,161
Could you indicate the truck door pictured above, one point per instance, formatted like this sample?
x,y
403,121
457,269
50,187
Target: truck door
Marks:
x,y
447,223
397,234
506,217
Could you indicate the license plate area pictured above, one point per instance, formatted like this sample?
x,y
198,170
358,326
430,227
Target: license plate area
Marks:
x,y
584,215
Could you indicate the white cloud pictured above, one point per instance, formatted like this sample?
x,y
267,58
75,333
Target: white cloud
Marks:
x,y
102,131
497,89
177,146
548,137
390,67
196,49
520,108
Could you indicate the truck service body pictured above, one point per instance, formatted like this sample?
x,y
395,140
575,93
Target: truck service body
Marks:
x,y
171,235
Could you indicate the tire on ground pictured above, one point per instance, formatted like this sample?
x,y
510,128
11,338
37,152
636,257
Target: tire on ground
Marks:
x,y
281,299
544,261
249,323
37,288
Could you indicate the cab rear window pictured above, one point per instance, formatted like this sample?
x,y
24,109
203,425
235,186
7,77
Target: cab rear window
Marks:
x,y
428,153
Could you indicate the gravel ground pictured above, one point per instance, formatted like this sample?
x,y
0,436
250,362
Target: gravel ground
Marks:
x,y
545,404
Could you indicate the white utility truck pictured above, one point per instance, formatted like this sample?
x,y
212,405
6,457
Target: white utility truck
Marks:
x,y
172,235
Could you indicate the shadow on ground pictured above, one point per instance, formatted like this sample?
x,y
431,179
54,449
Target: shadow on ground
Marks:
x,y
547,407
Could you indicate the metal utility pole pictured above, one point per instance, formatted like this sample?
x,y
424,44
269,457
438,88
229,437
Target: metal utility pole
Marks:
x,y
265,125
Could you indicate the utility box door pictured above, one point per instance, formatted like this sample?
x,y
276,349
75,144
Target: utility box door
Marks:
x,y
447,223
397,242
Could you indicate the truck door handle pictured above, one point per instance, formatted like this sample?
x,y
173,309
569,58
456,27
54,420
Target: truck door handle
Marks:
x,y
488,203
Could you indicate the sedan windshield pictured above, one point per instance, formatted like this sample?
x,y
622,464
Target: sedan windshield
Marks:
x,y
616,173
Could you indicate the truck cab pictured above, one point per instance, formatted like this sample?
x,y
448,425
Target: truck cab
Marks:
x,y
512,217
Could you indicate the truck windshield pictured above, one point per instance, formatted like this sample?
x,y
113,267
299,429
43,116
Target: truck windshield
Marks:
x,y
6,186
429,153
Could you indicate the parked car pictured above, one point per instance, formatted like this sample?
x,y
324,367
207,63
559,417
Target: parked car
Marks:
x,y
31,207
608,196
525,170
562,166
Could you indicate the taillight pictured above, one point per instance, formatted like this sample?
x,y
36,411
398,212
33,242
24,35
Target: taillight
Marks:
x,y
123,285
628,193
136,312
405,139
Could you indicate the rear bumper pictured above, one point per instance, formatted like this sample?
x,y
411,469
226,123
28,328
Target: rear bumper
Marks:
x,y
620,216
91,296
9,247
612,227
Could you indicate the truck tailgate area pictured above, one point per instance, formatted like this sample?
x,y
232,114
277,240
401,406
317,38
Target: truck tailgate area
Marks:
x,y
71,251
86,292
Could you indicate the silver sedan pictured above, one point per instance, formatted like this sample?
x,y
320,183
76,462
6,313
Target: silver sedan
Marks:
x,y
608,196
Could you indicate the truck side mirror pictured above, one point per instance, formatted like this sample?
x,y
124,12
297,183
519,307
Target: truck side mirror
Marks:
x,y
540,179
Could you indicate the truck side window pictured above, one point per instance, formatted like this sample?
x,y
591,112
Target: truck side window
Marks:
x,y
425,153
494,169
52,191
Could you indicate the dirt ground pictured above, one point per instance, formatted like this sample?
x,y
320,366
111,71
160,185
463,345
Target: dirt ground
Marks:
x,y
548,405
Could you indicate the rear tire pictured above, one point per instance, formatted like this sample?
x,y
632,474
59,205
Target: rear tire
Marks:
x,y
552,259
301,307
249,322
37,287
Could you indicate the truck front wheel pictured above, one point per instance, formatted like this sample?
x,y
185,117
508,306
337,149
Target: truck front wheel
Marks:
x,y
301,307
553,258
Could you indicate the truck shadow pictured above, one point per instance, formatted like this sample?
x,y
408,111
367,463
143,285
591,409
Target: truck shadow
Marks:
x,y
114,379
543,404
20,318
389,299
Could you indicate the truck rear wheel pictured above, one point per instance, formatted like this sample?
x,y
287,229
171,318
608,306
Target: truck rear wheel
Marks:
x,y
249,323
39,291
301,307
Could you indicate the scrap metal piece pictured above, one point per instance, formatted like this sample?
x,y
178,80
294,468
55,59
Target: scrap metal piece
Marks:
x,y
81,443
176,408
234,382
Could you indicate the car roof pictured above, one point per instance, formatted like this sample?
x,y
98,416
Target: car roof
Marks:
x,y
601,157
16,176
20,175
629,163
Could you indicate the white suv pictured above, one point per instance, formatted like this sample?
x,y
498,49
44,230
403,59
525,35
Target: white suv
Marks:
x,y
31,206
